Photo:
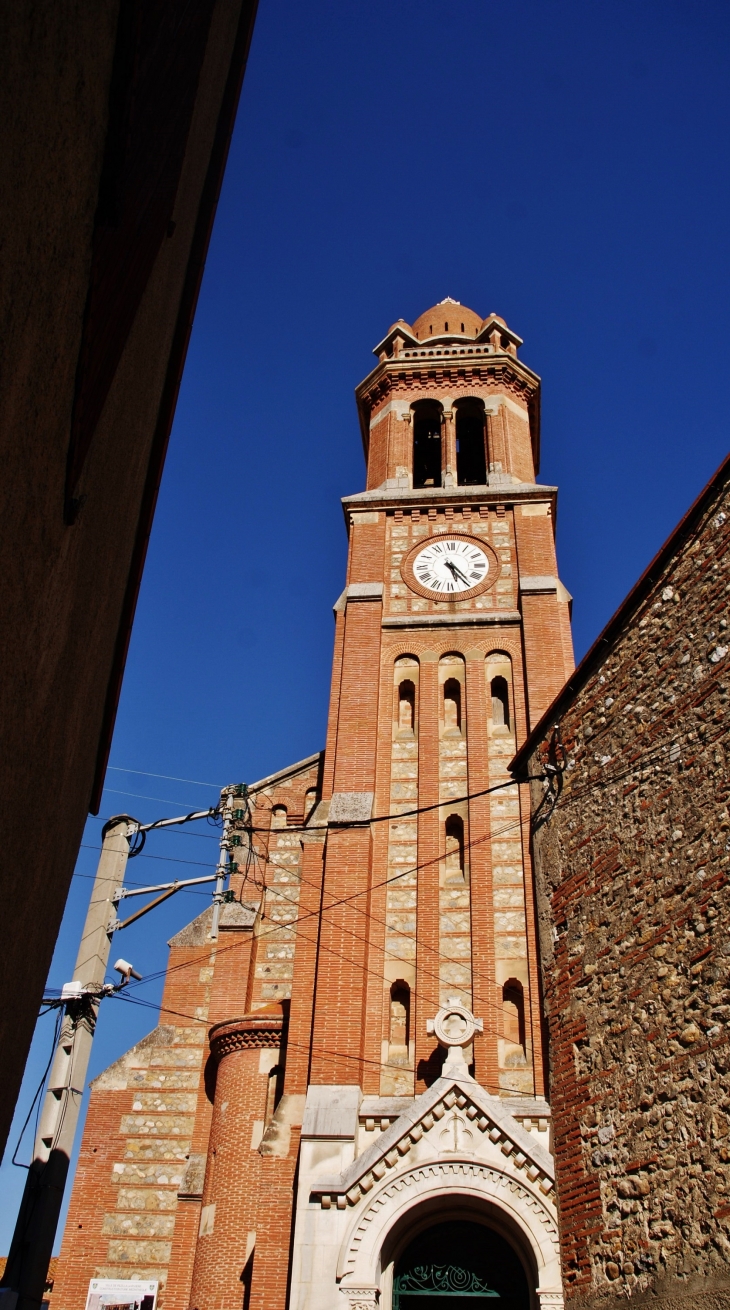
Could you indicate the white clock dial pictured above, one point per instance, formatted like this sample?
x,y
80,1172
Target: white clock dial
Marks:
x,y
447,566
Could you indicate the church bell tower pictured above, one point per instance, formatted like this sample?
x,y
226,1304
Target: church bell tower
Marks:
x,y
452,637
347,1095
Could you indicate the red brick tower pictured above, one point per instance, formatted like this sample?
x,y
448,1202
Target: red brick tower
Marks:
x,y
380,1101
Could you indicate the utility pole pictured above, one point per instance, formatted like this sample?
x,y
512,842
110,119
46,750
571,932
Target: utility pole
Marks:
x,y
35,1230
24,1280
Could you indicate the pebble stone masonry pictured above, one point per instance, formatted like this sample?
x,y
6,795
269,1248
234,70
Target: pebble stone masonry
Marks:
x,y
632,851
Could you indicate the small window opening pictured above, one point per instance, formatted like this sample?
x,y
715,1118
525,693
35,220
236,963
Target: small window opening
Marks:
x,y
454,861
427,445
462,327
310,802
399,1034
452,705
471,456
446,327
430,329
278,816
406,707
500,702
513,1012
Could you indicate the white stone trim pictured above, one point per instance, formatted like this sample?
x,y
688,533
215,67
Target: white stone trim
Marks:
x,y
361,1298
397,407
359,1257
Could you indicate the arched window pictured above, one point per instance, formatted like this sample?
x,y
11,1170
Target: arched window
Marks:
x,y
310,801
278,816
500,702
454,861
406,708
399,1034
427,444
471,452
452,706
513,1012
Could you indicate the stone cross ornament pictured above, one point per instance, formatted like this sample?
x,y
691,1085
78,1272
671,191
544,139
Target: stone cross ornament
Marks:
x,y
454,1028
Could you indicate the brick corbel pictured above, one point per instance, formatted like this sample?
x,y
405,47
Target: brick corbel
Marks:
x,y
251,1032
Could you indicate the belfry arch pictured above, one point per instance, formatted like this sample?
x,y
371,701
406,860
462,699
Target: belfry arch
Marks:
x,y
427,420
471,442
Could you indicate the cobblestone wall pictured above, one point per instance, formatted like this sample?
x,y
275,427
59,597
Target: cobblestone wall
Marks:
x,y
632,855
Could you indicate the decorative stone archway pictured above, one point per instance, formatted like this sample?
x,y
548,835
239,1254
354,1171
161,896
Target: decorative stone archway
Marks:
x,y
366,1284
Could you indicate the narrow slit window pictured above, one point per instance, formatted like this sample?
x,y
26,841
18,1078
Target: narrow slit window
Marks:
x,y
500,702
406,707
454,843
513,1012
400,1022
452,705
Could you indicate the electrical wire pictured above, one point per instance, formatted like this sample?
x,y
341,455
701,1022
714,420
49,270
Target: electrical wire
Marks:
x,y
344,900
442,957
38,1097
299,1046
634,765
169,859
638,761
142,773
140,796
404,814
477,975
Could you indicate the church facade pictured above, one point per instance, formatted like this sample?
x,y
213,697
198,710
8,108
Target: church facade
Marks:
x,y
344,1105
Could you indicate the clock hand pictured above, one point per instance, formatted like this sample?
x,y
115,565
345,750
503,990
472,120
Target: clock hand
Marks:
x,y
455,572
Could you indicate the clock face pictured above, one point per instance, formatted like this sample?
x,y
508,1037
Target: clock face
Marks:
x,y
450,566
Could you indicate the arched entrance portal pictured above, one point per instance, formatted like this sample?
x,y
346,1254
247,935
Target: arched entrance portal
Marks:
x,y
459,1265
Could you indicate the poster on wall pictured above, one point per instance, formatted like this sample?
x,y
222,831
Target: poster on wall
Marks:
x,y
121,1294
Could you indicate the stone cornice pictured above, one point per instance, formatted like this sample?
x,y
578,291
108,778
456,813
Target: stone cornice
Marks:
x,y
483,619
442,365
498,493
251,1032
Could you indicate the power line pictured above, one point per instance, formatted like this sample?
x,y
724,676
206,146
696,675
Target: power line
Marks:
x,y
342,901
39,1090
143,773
299,1046
441,956
140,796
640,760
632,766
168,859
404,814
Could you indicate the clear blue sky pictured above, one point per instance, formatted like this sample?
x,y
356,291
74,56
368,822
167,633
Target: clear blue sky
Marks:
x,y
564,164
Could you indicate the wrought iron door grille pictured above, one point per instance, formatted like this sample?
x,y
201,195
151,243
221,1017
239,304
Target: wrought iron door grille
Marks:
x,y
438,1280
